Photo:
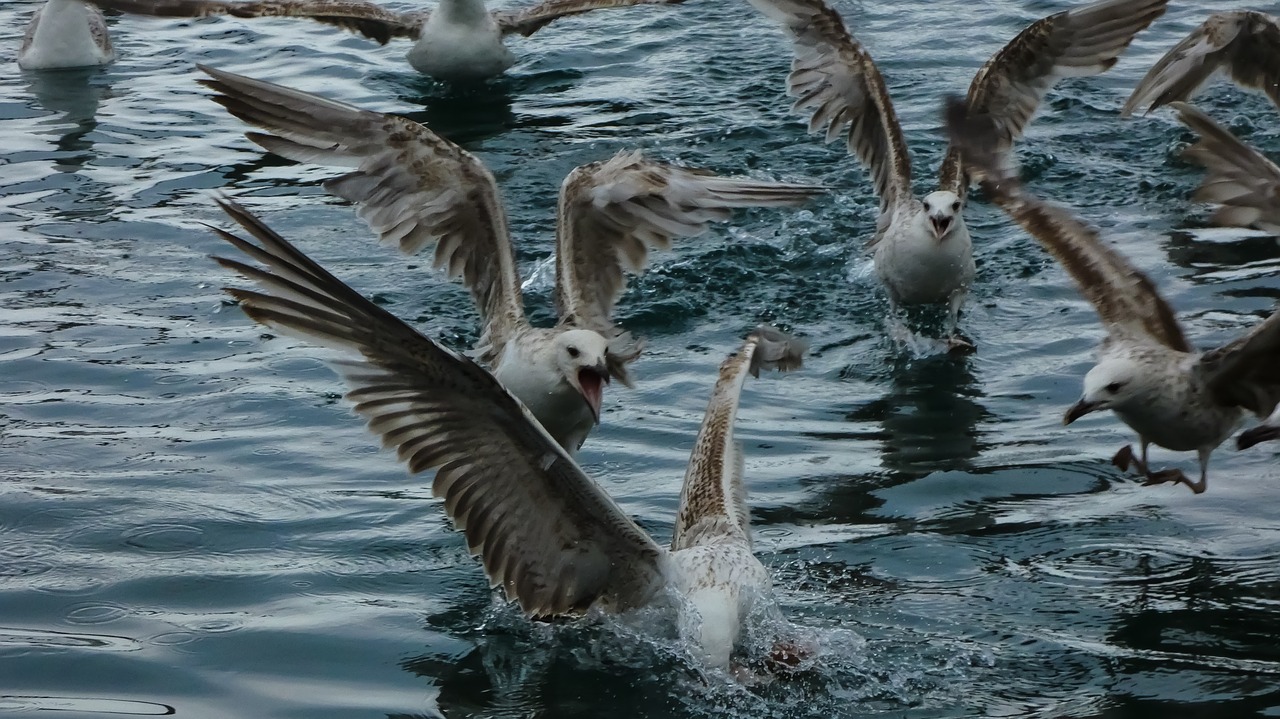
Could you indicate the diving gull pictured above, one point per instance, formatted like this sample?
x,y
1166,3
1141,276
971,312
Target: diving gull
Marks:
x,y
415,189
1147,373
458,41
65,33
547,534
1245,43
922,248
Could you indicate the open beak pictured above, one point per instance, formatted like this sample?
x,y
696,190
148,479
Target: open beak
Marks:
x,y
1078,410
1261,433
941,224
591,382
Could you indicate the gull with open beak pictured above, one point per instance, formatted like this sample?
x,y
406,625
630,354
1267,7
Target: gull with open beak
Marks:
x,y
416,189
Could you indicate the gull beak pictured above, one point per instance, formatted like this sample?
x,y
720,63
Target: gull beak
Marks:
x,y
1080,409
591,382
941,225
1261,433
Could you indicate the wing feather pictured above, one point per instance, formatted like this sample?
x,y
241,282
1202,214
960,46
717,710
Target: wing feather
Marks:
x,y
1243,42
835,76
1126,299
372,21
546,533
1246,372
1242,181
1010,86
532,19
413,187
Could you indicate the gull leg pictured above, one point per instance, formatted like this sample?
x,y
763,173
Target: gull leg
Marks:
x,y
956,343
1125,459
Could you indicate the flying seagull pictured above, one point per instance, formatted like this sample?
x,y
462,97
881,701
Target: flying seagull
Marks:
x,y
1245,184
545,532
922,248
65,33
1245,43
1147,372
459,41
415,188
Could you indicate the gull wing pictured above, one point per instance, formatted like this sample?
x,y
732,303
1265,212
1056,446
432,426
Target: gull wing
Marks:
x,y
713,502
413,187
1246,372
1244,42
613,213
546,533
532,19
835,76
1245,183
1010,86
1126,299
372,21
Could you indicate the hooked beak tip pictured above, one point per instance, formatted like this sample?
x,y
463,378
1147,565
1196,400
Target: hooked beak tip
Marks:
x,y
1078,410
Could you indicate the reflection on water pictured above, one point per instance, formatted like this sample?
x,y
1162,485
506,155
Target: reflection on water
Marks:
x,y
73,95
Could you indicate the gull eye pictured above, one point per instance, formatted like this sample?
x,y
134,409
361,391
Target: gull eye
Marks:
x,y
573,352
1114,387
955,206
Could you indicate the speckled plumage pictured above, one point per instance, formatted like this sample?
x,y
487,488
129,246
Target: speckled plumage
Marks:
x,y
547,534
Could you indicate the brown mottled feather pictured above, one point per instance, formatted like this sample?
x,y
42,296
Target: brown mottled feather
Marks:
x,y
1244,43
367,19
1246,372
713,499
1124,297
413,187
532,19
546,533
1010,86
1239,178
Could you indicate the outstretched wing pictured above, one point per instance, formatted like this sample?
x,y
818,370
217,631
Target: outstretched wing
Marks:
x,y
713,501
1246,372
532,19
1076,43
1244,42
413,187
613,213
546,533
835,76
372,21
1126,299
1242,181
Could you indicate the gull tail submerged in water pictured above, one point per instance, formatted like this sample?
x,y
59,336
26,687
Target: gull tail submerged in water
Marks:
x,y
1147,373
923,252
458,41
65,33
416,189
547,534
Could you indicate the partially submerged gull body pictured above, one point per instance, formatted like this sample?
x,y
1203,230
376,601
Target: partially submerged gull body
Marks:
x,y
1147,373
417,189
63,34
923,252
546,533
460,40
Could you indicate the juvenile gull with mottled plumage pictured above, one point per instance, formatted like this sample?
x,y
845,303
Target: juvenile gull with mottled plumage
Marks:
x,y
459,41
416,189
923,252
545,532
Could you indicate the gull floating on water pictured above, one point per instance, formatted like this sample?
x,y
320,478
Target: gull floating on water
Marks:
x,y
546,533
1245,43
923,253
1245,184
1147,372
458,41
65,33
415,188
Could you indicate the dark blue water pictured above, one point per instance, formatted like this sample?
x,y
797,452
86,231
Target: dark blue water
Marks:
x,y
191,521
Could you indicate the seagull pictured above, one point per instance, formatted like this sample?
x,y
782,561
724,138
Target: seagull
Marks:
x,y
415,188
545,531
1239,178
1147,373
460,41
1245,43
922,249
65,33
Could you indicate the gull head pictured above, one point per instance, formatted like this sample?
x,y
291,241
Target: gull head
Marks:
x,y
943,210
580,360
1110,384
